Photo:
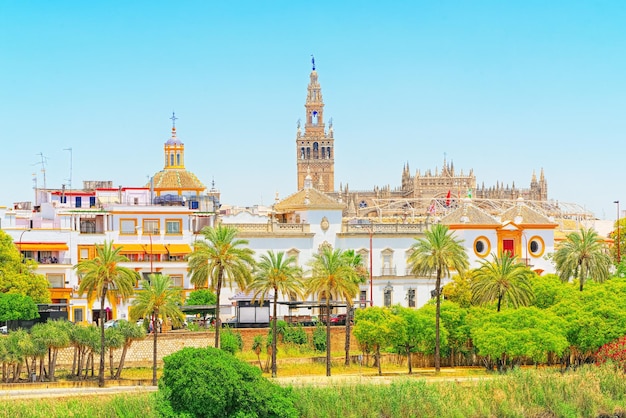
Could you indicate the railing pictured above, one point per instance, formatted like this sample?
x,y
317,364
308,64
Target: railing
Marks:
x,y
273,228
381,228
388,271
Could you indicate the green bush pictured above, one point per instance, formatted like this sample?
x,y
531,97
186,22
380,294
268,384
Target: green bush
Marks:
x,y
207,382
231,341
319,337
296,334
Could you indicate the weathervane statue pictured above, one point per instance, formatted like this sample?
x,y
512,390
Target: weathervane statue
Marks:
x,y
313,61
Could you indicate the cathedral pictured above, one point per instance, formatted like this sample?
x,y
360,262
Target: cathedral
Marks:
x,y
419,194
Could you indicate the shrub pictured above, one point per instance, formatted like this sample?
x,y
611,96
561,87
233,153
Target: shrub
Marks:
x,y
231,341
296,334
207,382
613,352
319,337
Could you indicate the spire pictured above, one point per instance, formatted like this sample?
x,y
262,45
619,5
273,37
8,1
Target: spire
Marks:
x,y
174,149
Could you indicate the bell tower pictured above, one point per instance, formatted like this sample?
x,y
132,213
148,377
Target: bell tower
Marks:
x,y
315,148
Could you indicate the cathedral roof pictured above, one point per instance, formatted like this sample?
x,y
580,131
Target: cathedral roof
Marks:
x,y
179,179
468,214
308,198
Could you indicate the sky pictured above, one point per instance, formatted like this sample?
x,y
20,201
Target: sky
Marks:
x,y
503,88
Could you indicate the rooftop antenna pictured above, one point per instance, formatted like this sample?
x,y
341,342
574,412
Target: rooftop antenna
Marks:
x,y
70,179
43,162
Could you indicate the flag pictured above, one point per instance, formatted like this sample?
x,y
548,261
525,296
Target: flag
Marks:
x,y
431,209
448,198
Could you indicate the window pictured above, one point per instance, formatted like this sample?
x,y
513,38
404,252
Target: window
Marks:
x,y
536,246
78,315
128,226
363,298
92,201
508,246
177,280
57,281
482,247
173,226
150,226
295,254
78,201
410,296
388,290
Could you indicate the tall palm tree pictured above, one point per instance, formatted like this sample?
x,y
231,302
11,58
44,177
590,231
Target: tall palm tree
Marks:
x,y
157,300
222,258
583,255
503,279
280,274
354,260
332,275
104,277
436,253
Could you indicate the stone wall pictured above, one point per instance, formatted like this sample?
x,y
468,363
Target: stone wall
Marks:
x,y
140,352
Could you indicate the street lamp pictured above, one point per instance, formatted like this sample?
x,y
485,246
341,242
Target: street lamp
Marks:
x,y
618,233
371,232
19,245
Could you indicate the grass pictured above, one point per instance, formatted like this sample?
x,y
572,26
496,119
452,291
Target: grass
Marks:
x,y
539,393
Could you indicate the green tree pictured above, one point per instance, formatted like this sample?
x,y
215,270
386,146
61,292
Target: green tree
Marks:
x,y
17,275
459,290
454,321
201,297
377,327
504,279
514,334
277,273
221,258
331,276
131,332
583,256
354,260
53,335
15,307
105,277
157,300
437,253
416,333
113,339
550,290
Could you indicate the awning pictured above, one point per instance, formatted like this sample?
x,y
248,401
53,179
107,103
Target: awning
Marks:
x,y
42,246
178,249
155,248
130,248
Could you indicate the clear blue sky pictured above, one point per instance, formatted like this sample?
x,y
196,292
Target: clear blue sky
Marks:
x,y
501,87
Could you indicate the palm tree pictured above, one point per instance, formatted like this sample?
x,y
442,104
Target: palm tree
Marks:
x,y
355,260
280,274
332,275
436,253
221,258
157,300
505,278
583,255
104,277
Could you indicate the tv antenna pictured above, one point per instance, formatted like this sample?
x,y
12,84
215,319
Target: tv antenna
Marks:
x,y
43,162
70,179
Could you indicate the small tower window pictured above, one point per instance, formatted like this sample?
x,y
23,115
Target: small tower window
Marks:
x,y
171,159
178,159
314,117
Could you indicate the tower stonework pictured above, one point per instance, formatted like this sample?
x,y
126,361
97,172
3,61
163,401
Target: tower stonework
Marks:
x,y
315,147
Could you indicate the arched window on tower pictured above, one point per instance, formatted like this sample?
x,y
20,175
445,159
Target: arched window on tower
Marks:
x,y
302,153
316,151
171,159
323,153
314,116
177,159
308,153
328,153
